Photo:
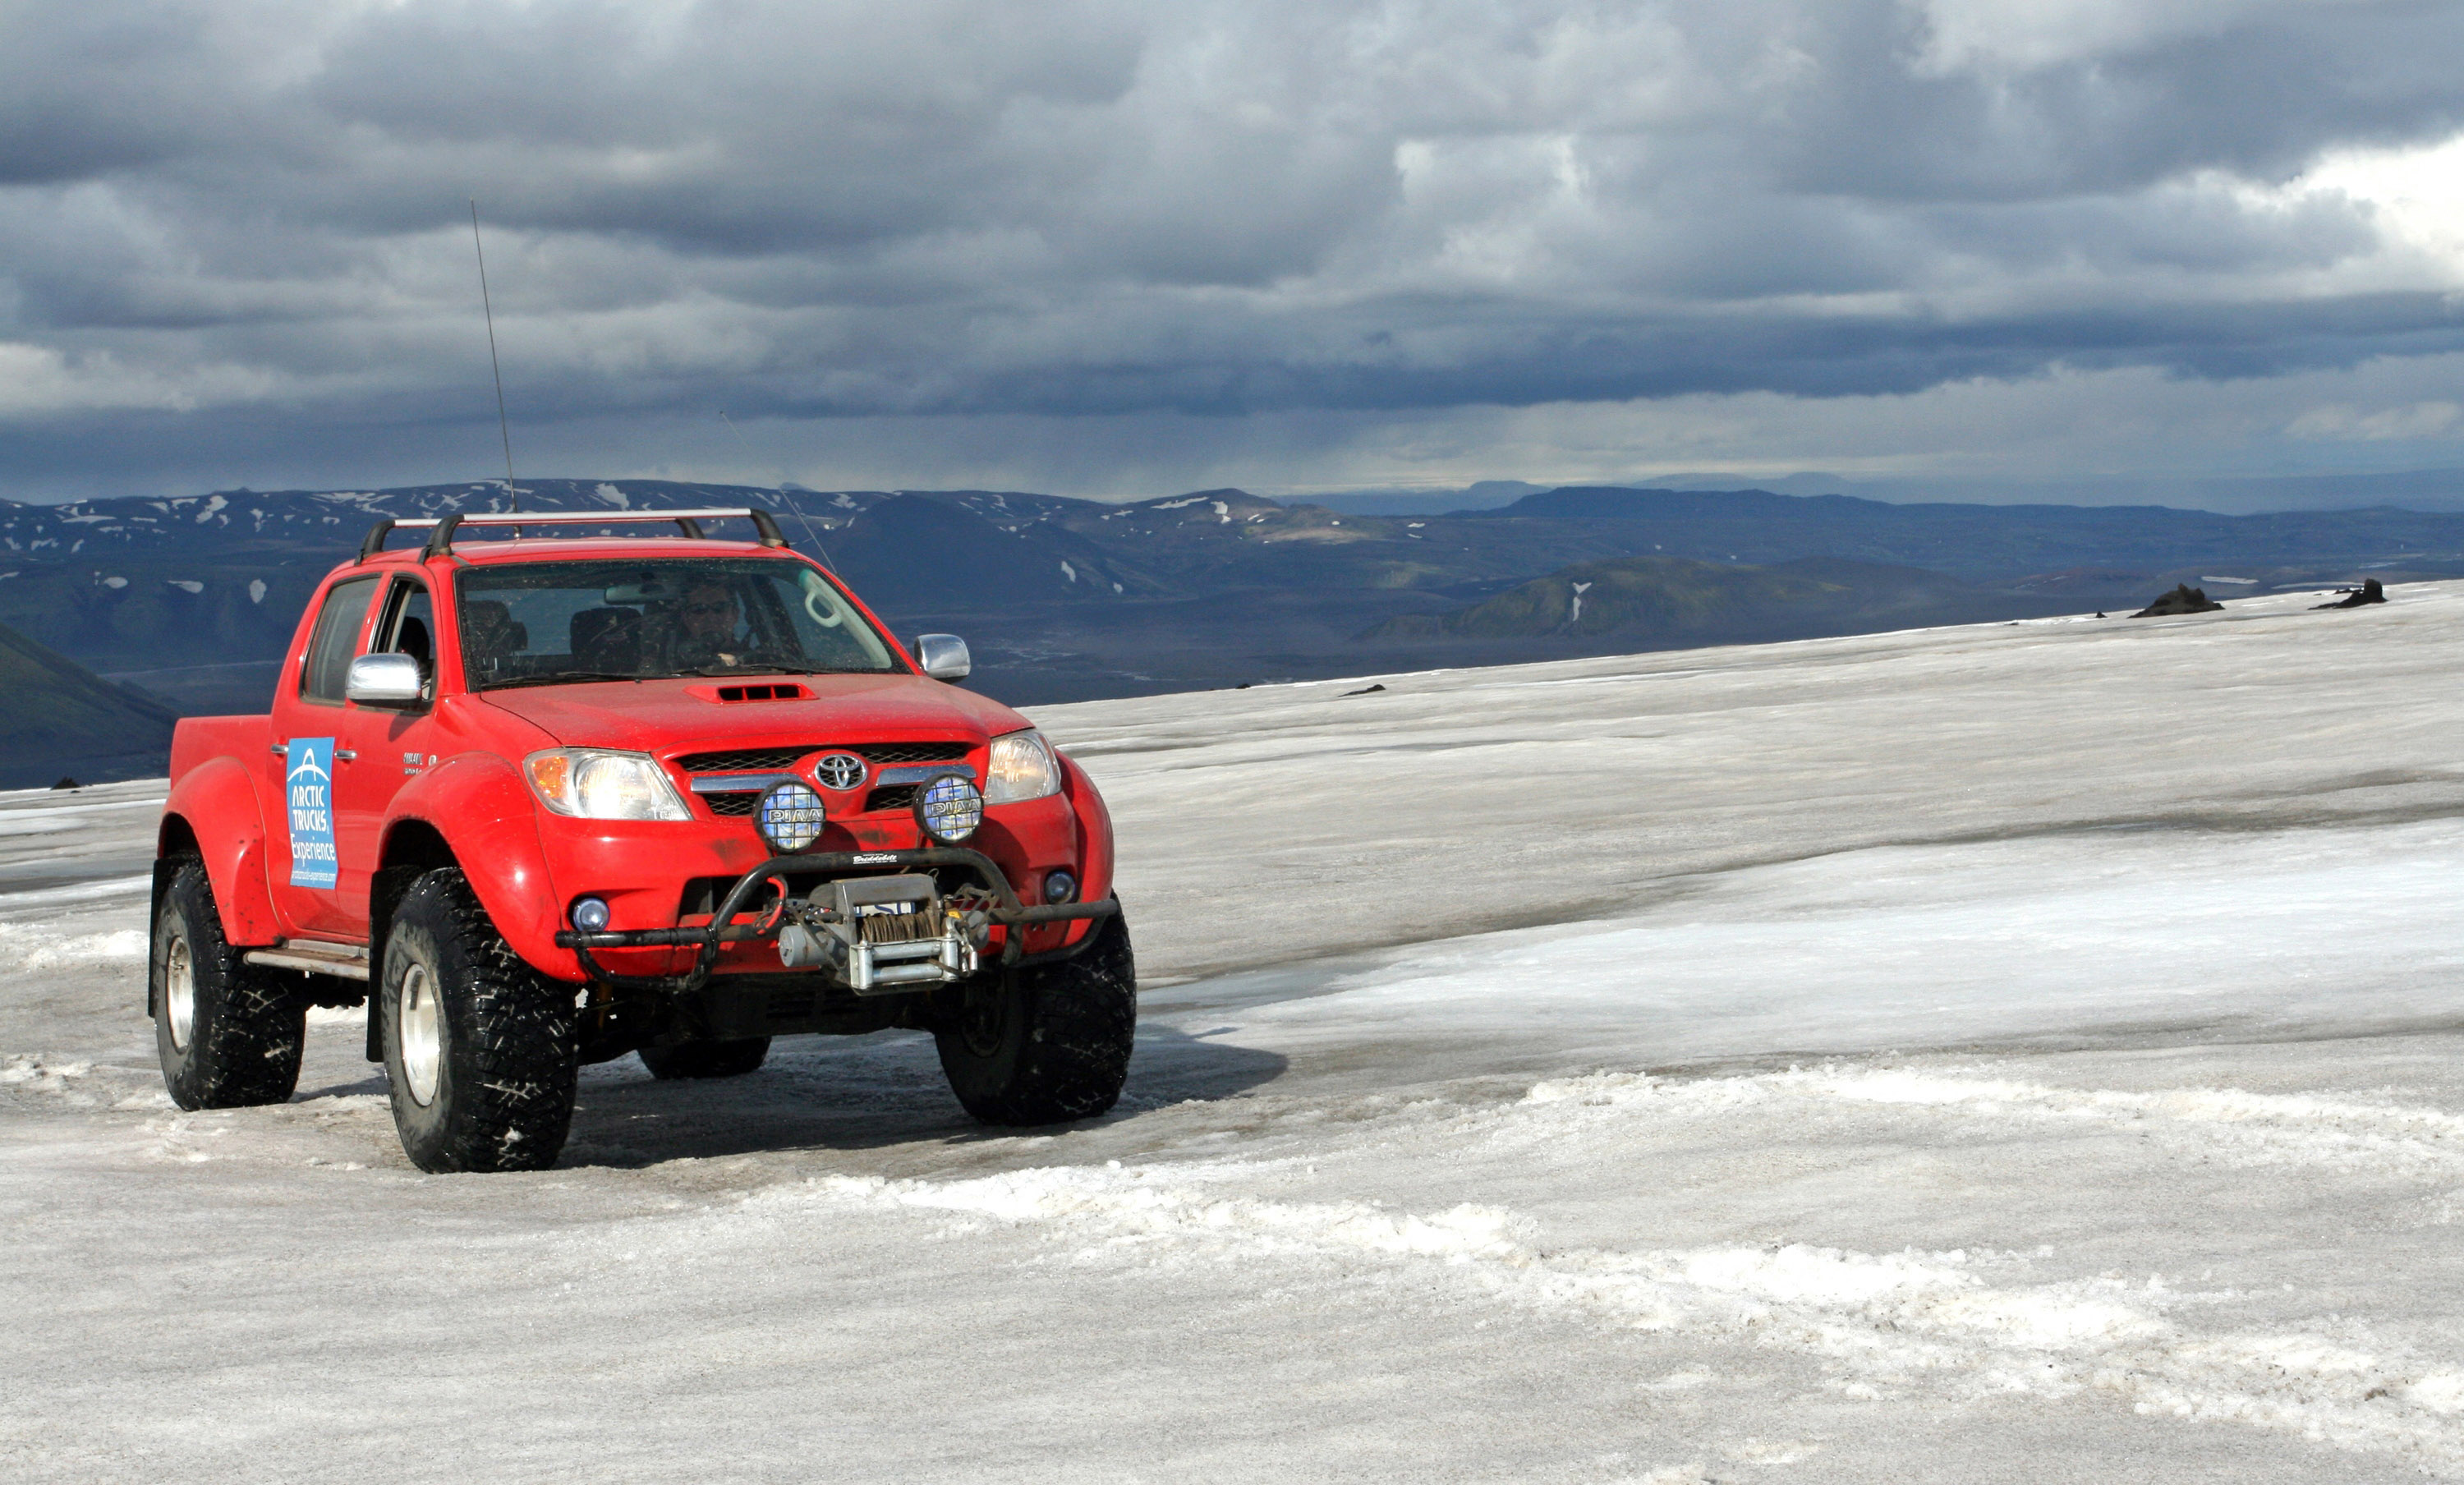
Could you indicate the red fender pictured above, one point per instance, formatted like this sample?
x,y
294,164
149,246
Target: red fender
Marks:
x,y
489,818
217,801
1094,840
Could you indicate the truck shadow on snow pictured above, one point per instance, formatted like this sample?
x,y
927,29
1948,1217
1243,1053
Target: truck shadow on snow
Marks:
x,y
862,1092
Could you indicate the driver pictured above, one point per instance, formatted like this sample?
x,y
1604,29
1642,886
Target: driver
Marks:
x,y
706,626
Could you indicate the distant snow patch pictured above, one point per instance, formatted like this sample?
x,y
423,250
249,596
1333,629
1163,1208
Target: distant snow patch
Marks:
x,y
256,591
115,582
1576,617
185,585
1069,572
214,506
614,497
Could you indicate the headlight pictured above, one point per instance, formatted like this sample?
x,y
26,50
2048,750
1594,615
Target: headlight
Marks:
x,y
1022,767
592,784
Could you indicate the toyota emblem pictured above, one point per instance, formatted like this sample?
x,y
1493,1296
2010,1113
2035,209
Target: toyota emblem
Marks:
x,y
839,770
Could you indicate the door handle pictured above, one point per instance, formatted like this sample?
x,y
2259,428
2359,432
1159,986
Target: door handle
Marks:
x,y
345,754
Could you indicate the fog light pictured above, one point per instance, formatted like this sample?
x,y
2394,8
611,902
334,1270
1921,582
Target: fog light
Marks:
x,y
950,807
789,818
1059,886
591,914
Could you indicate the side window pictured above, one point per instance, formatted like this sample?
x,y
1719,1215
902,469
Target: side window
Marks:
x,y
336,641
410,626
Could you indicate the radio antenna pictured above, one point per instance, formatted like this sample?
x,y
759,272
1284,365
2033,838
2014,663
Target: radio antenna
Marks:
x,y
815,536
504,430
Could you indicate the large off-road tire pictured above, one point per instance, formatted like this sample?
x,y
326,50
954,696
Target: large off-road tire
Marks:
x,y
707,1059
228,1035
1046,1044
480,1047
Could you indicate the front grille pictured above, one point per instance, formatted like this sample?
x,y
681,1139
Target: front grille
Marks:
x,y
744,760
912,752
748,760
732,804
898,796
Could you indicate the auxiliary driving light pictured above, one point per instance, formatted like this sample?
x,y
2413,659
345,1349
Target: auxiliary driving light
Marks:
x,y
950,807
789,818
1059,886
590,914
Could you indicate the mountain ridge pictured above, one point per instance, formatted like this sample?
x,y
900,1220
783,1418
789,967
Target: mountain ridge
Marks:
x,y
1067,599
63,717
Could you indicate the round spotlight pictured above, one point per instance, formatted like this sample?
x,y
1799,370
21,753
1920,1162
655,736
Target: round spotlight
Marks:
x,y
950,807
590,914
1059,886
789,818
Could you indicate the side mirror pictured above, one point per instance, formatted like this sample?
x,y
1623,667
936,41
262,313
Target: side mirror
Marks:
x,y
384,680
943,656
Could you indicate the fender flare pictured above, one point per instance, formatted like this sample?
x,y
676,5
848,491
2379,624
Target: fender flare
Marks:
x,y
488,818
218,809
1094,841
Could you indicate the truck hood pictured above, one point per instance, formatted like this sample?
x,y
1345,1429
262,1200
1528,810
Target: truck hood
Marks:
x,y
666,715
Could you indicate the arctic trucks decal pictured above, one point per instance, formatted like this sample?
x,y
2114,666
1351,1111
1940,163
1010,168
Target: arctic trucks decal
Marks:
x,y
308,800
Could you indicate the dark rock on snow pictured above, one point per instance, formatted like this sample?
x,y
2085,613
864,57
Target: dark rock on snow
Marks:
x,y
2182,599
2370,592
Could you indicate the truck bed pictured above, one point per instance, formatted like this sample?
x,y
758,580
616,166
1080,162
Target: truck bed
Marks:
x,y
199,739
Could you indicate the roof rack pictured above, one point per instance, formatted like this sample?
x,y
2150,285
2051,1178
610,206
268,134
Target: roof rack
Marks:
x,y
440,540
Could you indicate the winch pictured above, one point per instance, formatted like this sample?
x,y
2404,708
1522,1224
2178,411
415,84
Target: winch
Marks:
x,y
884,934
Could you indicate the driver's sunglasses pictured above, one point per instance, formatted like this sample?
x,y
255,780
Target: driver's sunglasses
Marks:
x,y
726,606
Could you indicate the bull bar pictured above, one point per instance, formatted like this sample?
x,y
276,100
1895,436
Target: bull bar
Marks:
x,y
722,928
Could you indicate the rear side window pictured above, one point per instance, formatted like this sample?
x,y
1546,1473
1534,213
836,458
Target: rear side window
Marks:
x,y
336,641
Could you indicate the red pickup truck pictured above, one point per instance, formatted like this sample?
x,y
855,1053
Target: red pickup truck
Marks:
x,y
551,800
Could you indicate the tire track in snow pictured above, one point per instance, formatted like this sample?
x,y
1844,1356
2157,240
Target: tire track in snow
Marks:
x,y
2257,1128
1880,1322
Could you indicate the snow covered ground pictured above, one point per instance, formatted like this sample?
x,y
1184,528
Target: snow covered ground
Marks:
x,y
2016,1052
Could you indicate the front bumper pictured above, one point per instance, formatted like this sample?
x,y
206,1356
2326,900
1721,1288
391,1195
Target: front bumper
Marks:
x,y
918,970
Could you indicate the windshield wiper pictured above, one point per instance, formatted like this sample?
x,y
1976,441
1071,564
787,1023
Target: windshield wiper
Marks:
x,y
561,678
761,668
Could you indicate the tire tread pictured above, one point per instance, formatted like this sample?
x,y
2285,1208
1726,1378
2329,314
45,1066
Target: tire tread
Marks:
x,y
250,1029
515,1109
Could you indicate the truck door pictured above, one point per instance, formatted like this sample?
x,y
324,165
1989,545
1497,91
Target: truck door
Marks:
x,y
313,743
387,746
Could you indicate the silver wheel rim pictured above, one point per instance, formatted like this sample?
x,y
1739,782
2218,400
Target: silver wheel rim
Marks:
x,y
422,1034
179,991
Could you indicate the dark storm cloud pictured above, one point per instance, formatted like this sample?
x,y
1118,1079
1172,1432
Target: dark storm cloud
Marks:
x,y
823,211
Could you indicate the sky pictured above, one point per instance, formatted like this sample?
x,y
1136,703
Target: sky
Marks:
x,y
1116,249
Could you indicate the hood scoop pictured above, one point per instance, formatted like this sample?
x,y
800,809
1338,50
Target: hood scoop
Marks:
x,y
760,691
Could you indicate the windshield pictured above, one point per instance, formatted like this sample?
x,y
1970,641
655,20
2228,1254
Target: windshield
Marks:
x,y
544,622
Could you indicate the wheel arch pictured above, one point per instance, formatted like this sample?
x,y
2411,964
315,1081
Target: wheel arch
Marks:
x,y
215,814
1095,857
472,811
409,850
